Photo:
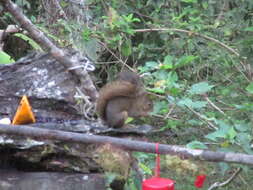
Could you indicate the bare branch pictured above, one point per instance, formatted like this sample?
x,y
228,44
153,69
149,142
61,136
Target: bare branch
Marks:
x,y
203,118
222,184
192,34
213,105
132,145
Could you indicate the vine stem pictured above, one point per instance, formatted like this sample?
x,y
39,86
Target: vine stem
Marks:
x,y
191,33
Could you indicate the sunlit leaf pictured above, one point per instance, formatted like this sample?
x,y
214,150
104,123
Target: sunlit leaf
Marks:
x,y
167,63
157,90
250,29
146,169
129,119
5,58
225,131
185,60
249,88
126,48
29,40
200,88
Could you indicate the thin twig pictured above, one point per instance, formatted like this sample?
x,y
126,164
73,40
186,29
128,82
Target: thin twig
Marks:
x,y
202,118
162,117
222,184
191,33
114,55
171,110
214,106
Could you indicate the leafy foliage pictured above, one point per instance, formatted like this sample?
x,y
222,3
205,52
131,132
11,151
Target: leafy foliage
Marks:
x,y
196,55
197,76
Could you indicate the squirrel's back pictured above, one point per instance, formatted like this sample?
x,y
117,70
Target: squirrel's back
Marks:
x,y
112,90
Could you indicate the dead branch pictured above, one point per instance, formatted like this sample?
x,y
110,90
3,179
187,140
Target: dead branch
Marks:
x,y
229,180
47,45
132,145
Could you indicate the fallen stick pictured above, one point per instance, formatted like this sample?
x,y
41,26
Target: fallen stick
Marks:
x,y
132,145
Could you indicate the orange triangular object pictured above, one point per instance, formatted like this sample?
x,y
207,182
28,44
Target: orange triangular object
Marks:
x,y
24,114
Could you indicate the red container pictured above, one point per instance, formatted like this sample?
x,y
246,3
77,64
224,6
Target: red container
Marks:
x,y
158,183
199,182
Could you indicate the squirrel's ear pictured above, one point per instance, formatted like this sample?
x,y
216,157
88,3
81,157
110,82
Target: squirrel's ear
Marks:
x,y
131,77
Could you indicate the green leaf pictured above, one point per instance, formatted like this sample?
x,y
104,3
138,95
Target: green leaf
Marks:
x,y
245,141
231,133
215,135
185,60
249,29
225,131
200,88
151,65
167,63
161,75
189,103
86,34
172,77
157,90
126,48
196,145
243,127
129,119
249,88
5,58
244,138
160,107
29,40
146,169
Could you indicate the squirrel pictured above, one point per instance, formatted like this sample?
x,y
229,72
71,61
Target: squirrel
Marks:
x,y
125,97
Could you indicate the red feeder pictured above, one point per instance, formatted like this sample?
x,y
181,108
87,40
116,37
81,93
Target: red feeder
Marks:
x,y
156,182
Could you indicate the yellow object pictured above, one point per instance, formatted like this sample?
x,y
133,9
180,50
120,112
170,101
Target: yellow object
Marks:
x,y
24,114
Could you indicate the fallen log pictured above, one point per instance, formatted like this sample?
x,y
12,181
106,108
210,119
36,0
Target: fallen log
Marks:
x,y
131,145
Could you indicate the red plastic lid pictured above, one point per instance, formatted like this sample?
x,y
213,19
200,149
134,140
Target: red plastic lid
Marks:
x,y
157,183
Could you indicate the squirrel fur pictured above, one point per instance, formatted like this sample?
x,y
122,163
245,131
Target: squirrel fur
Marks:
x,y
125,97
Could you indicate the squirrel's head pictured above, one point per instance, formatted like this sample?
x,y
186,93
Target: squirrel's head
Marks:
x,y
141,106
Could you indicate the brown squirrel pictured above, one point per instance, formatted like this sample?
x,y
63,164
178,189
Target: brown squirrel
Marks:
x,y
123,98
